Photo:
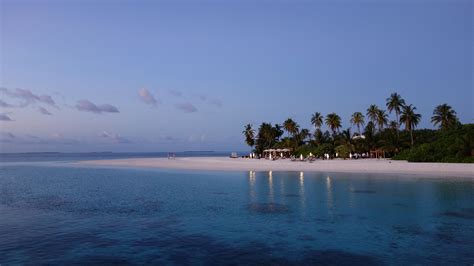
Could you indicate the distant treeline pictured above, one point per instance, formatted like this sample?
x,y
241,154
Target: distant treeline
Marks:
x,y
397,138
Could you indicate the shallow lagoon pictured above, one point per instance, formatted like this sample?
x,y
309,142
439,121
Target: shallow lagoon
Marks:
x,y
62,215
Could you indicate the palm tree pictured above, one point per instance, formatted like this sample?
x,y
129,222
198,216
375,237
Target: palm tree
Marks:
x,y
333,121
372,113
267,137
278,131
290,126
369,133
357,119
317,120
395,104
249,134
410,119
382,119
346,139
445,116
304,133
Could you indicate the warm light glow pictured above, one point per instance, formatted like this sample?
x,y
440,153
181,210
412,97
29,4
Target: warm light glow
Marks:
x,y
252,192
329,192
252,174
270,186
302,196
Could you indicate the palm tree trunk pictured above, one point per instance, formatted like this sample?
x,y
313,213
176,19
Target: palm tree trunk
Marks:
x,y
411,136
398,127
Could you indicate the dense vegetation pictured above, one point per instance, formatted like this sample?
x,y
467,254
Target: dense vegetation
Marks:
x,y
397,138
454,145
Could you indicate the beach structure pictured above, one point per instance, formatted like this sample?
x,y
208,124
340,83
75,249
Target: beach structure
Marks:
x,y
273,153
358,137
379,153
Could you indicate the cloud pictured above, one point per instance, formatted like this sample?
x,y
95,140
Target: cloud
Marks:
x,y
5,105
114,137
186,107
4,117
209,100
175,93
6,137
28,97
44,111
87,106
147,97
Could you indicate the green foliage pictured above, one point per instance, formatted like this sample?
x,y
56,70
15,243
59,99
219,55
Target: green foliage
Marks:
x,y
305,150
343,151
453,146
267,136
445,117
333,121
249,134
324,148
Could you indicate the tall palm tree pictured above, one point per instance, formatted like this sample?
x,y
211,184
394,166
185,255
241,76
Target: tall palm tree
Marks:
x,y
410,119
333,121
382,119
372,113
317,120
290,126
249,134
357,119
267,137
395,104
445,116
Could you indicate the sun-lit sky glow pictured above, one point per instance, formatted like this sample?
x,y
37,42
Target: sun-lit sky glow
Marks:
x,y
188,75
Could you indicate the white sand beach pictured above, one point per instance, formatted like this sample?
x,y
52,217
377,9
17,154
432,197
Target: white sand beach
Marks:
x,y
346,166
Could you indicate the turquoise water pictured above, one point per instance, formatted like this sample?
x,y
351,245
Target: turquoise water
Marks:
x,y
51,213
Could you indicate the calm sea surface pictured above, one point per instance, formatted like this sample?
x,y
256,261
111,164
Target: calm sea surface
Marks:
x,y
54,213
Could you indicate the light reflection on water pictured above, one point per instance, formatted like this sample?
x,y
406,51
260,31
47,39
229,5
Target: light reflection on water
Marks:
x,y
54,215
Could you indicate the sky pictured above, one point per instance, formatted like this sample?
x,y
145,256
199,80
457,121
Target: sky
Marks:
x,y
143,76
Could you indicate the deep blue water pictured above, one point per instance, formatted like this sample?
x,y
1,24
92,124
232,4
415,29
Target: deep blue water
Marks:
x,y
51,213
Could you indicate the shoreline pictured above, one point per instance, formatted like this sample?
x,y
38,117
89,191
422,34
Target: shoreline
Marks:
x,y
372,166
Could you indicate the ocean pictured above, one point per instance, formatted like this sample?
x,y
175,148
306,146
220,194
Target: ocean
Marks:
x,y
55,212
